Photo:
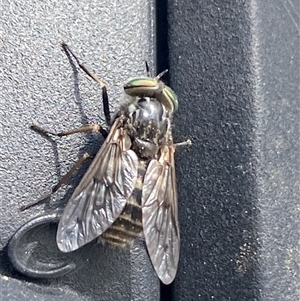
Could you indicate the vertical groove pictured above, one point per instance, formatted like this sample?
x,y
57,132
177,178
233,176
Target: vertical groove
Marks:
x,y
162,63
162,45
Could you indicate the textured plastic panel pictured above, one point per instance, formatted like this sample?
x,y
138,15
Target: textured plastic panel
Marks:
x,y
235,67
39,83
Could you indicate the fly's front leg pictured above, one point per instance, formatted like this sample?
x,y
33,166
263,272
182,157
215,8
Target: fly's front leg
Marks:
x,y
96,79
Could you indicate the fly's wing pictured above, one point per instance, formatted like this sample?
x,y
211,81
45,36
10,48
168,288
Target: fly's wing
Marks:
x,y
160,218
102,193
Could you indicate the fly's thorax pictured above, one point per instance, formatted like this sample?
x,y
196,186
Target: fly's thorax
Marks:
x,y
148,125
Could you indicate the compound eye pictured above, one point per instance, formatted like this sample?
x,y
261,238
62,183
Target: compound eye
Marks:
x,y
171,98
154,88
142,86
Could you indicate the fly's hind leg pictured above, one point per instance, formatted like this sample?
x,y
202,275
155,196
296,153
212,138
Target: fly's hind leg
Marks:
x,y
105,101
66,178
63,181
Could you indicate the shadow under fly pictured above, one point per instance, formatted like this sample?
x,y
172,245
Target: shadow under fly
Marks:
x,y
129,189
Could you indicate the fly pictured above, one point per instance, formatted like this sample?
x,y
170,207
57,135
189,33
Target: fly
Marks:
x,y
129,189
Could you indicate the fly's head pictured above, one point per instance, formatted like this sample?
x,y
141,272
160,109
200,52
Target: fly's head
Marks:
x,y
153,88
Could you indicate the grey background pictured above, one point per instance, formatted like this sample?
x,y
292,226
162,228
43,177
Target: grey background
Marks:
x,y
235,65
235,68
38,84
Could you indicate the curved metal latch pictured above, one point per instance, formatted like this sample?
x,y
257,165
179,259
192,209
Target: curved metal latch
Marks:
x,y
32,249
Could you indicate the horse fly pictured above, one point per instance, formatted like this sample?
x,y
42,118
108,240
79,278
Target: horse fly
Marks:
x,y
130,187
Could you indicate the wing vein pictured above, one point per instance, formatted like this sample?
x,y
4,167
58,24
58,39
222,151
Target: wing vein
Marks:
x,y
101,195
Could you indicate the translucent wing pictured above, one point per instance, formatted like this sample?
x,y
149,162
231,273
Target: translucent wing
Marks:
x,y
160,220
102,193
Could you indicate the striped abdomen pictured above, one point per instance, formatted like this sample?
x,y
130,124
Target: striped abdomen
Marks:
x,y
128,225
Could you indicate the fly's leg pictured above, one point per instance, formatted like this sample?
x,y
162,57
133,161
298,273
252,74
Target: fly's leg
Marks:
x,y
96,79
66,178
84,129
187,142
63,181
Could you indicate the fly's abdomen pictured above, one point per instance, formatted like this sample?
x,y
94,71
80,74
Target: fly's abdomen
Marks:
x,y
128,225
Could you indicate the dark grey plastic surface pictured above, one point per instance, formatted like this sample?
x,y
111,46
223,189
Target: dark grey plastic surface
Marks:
x,y
39,84
235,67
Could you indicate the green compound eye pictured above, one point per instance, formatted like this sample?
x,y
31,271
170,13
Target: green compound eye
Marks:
x,y
171,96
152,87
141,82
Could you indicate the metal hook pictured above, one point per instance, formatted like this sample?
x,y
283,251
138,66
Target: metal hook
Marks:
x,y
20,250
